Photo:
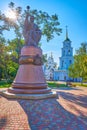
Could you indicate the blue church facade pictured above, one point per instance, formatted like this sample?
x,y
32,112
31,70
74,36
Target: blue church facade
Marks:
x,y
66,59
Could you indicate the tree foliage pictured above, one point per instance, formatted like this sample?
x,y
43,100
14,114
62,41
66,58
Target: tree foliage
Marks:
x,y
79,68
10,49
8,60
48,24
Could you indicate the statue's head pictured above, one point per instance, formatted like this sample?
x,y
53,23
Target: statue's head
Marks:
x,y
32,18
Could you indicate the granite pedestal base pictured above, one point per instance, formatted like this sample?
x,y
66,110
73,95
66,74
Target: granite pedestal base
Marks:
x,y
29,82
28,96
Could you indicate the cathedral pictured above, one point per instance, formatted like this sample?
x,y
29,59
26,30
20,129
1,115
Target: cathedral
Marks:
x,y
50,68
66,59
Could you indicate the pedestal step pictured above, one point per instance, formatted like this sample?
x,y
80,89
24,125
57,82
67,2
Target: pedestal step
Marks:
x,y
28,96
29,91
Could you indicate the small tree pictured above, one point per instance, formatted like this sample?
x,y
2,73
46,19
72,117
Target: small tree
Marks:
x,y
79,68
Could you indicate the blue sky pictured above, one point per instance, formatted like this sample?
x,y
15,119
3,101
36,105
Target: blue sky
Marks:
x,y
72,13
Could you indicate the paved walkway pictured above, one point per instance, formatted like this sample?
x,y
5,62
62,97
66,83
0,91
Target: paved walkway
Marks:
x,y
68,112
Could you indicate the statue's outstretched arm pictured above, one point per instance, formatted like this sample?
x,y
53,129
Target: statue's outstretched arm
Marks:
x,y
26,18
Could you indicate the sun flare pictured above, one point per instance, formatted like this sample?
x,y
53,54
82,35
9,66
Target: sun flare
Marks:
x,y
11,14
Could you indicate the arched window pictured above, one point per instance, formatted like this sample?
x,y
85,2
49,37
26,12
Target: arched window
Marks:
x,y
69,52
64,52
58,77
70,61
65,78
62,63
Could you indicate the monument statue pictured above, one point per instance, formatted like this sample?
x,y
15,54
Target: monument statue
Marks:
x,y
31,32
30,82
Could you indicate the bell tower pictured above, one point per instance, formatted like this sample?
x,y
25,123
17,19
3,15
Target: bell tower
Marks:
x,y
66,58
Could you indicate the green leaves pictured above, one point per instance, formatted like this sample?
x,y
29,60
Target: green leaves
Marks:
x,y
10,50
79,68
83,49
11,5
49,24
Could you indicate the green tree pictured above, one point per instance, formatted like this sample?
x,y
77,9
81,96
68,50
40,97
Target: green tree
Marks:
x,y
83,49
3,58
10,50
44,58
48,24
79,68
8,58
13,51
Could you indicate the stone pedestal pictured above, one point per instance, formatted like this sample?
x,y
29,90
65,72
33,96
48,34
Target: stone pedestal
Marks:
x,y
30,77
29,82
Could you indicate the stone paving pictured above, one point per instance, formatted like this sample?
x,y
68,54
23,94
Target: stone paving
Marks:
x,y
67,112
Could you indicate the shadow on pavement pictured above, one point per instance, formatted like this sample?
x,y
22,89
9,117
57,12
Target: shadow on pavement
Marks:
x,y
68,88
3,121
49,114
77,99
76,103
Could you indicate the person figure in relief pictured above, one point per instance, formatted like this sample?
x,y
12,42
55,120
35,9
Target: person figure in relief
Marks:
x,y
31,32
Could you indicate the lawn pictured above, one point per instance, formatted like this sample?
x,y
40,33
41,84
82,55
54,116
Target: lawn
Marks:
x,y
79,84
4,84
51,84
55,84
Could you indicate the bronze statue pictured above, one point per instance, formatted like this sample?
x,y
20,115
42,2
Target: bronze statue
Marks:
x,y
31,32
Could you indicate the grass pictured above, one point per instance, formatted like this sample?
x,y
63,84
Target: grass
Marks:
x,y
51,84
55,84
79,84
4,84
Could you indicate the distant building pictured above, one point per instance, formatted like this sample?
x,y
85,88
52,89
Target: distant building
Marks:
x,y
49,68
66,59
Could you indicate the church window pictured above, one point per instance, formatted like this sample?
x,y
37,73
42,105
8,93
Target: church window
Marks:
x,y
65,78
69,52
64,53
62,63
58,77
70,61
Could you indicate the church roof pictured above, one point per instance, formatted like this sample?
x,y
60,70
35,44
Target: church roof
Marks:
x,y
67,38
